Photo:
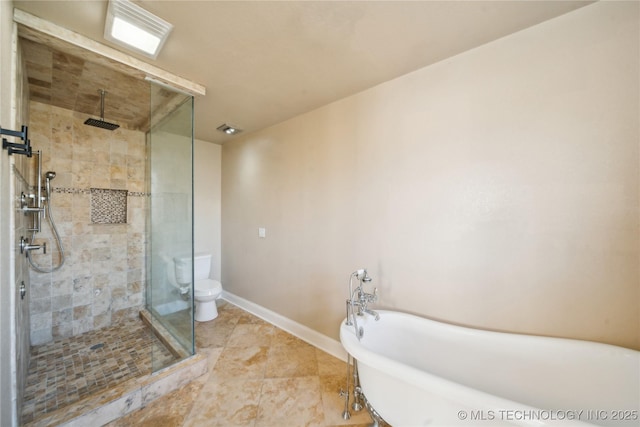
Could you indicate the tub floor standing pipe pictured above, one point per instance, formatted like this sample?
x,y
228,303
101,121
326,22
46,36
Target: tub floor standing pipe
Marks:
x,y
345,393
357,390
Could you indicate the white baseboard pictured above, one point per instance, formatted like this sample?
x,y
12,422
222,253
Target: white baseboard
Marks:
x,y
303,332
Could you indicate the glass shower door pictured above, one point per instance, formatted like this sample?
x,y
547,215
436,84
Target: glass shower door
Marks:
x,y
170,227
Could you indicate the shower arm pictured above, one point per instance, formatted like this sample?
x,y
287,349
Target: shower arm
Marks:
x,y
102,93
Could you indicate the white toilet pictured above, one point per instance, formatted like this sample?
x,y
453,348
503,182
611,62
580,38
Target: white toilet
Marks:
x,y
206,290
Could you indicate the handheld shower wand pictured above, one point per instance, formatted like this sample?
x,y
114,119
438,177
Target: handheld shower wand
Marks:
x,y
351,303
48,177
47,211
47,182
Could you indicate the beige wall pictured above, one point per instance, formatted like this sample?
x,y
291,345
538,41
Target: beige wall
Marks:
x,y
497,189
207,209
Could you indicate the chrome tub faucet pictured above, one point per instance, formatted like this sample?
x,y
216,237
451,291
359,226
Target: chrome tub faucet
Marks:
x,y
357,304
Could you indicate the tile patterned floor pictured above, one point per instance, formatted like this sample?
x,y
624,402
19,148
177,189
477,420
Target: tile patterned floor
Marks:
x,y
259,376
67,370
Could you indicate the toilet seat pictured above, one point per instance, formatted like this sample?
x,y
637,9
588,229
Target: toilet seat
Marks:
x,y
207,288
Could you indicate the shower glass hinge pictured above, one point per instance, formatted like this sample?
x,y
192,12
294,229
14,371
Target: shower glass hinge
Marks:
x,y
16,148
23,290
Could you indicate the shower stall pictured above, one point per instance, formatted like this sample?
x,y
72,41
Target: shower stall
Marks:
x,y
105,211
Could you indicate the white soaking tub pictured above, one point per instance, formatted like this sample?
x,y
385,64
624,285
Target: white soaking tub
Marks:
x,y
419,372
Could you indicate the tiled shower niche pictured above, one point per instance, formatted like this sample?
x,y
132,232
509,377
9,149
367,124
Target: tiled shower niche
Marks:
x,y
108,206
102,279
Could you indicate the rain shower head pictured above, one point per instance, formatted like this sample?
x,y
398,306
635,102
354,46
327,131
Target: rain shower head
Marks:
x,y
101,123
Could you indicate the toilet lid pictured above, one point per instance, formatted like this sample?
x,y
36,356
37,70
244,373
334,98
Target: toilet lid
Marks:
x,y
207,288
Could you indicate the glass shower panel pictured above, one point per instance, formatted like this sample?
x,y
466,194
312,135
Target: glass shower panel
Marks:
x,y
170,237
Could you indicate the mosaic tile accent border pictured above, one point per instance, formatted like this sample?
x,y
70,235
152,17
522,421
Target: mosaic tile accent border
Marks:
x,y
68,190
108,206
71,190
138,194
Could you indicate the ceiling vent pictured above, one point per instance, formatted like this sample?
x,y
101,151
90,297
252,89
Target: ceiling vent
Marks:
x,y
228,129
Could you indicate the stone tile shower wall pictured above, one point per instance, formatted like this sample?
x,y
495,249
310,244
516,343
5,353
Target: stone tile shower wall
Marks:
x,y
102,280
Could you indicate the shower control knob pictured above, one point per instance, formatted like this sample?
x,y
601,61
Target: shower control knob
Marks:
x,y
25,247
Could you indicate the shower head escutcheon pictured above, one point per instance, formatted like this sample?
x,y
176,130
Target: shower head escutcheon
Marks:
x,y
101,123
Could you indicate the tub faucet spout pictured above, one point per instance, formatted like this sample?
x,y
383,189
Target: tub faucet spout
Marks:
x,y
373,313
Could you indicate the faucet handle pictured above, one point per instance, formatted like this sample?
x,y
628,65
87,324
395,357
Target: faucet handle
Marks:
x,y
25,246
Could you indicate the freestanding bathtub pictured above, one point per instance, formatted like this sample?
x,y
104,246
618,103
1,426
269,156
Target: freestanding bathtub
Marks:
x,y
419,372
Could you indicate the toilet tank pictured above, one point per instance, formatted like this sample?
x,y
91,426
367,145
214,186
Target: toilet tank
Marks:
x,y
201,267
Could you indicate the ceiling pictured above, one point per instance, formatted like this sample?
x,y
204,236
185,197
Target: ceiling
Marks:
x,y
59,78
263,62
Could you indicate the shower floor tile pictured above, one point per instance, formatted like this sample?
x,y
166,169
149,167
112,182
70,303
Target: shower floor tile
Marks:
x,y
67,370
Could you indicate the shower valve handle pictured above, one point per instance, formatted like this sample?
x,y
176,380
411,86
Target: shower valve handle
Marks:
x,y
25,247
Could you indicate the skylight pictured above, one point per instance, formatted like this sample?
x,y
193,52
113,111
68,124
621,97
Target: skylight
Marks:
x,y
131,26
